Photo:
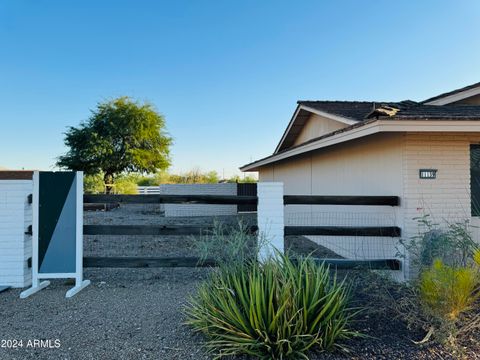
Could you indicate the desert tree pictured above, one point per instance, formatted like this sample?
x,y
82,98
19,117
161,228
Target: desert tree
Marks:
x,y
121,136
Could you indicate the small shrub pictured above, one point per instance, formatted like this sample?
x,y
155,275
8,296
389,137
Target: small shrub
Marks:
x,y
93,184
447,291
228,244
275,310
444,299
452,243
126,184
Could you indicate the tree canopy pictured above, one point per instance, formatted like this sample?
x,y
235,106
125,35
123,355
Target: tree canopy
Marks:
x,y
121,135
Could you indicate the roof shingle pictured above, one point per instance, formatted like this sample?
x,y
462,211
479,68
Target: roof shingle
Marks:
x,y
361,110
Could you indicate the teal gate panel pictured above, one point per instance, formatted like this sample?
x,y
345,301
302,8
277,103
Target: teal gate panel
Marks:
x,y
57,222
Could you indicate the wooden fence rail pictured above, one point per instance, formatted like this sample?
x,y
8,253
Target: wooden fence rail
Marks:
x,y
375,264
241,200
159,262
151,230
171,199
381,231
146,262
340,200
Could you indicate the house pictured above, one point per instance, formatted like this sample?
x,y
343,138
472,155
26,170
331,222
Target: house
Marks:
x,y
380,148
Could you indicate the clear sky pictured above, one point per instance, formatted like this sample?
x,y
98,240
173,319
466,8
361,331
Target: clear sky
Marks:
x,y
226,74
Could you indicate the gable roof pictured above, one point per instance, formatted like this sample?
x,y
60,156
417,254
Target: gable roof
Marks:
x,y
368,128
358,114
352,112
347,112
454,95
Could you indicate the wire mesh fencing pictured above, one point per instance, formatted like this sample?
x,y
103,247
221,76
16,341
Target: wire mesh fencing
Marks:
x,y
347,247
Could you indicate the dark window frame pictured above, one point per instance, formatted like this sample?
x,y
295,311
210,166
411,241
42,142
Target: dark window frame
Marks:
x,y
475,175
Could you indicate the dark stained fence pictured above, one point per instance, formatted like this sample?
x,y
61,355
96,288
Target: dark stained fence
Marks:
x,y
380,231
146,262
134,262
170,199
149,230
348,264
247,189
246,199
341,200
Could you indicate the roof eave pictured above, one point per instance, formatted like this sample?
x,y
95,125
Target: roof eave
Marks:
x,y
370,127
342,119
454,96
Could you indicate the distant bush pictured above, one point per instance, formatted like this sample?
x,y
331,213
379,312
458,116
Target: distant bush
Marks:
x,y
93,184
124,184
146,181
275,310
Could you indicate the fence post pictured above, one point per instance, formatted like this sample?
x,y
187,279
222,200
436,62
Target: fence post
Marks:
x,y
270,218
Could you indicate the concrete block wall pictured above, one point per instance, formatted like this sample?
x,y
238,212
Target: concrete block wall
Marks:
x,y
15,245
270,212
448,196
172,210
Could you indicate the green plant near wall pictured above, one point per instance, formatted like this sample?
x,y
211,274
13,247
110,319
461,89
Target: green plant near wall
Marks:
x,y
228,244
275,310
448,291
452,243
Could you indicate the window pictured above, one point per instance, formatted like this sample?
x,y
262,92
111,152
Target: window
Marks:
x,y
475,179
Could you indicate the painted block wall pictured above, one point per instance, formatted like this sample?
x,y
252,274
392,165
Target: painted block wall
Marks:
x,y
446,198
172,210
15,245
387,164
368,166
270,212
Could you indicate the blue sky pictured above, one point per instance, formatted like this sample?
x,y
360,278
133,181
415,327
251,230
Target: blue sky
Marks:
x,y
225,74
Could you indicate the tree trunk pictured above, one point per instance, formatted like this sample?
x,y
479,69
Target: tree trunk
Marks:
x,y
108,179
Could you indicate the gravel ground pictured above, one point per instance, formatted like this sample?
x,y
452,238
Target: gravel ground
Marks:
x,y
123,314
136,313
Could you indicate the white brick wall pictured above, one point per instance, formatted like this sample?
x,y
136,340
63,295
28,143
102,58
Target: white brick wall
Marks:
x,y
270,214
15,245
446,198
200,209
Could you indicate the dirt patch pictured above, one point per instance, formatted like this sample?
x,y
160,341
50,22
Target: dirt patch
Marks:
x,y
303,246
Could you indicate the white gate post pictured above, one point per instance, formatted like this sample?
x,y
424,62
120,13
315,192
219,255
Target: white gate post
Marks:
x,y
270,217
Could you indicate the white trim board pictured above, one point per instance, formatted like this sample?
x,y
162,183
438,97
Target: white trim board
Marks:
x,y
448,99
324,114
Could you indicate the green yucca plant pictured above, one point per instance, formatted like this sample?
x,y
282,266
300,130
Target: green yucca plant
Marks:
x,y
276,310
